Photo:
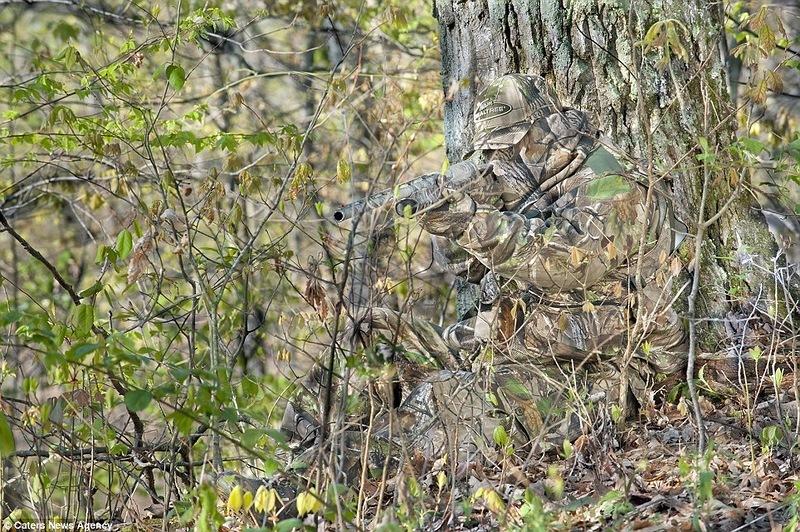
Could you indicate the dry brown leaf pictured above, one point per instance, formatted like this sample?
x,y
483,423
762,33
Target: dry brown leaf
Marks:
x,y
675,266
315,296
139,262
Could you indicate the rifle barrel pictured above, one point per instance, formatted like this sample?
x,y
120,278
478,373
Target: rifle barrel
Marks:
x,y
345,212
379,199
410,193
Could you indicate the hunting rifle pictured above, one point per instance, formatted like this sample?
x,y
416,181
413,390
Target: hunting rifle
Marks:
x,y
426,190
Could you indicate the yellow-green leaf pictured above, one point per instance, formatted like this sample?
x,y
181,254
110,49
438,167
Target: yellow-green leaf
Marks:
x,y
308,502
414,488
567,448
500,435
441,480
343,173
265,499
304,172
84,319
607,187
493,501
235,499
247,500
397,16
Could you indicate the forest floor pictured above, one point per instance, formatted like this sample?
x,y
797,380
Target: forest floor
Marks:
x,y
648,476
651,477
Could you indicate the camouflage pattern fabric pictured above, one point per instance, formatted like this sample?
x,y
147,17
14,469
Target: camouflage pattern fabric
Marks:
x,y
505,109
571,261
554,142
573,284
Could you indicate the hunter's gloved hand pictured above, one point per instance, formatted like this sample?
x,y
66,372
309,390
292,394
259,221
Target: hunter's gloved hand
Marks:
x,y
421,198
450,219
514,181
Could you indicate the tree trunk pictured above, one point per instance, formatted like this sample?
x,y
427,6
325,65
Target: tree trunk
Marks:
x,y
655,94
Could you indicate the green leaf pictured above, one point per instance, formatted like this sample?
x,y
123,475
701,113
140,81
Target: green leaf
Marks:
x,y
517,389
84,319
165,390
289,524
105,252
278,436
7,318
567,448
180,374
752,145
65,31
500,436
124,244
235,217
137,400
181,421
227,142
81,350
31,384
7,445
771,436
271,466
92,290
250,437
176,76
706,487
68,56
608,187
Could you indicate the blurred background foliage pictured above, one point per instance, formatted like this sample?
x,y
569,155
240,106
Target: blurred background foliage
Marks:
x,y
166,267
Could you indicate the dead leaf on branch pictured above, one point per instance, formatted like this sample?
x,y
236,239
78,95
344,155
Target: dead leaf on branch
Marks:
x,y
315,295
139,262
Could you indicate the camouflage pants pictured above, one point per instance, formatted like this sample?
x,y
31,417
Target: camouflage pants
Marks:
x,y
531,372
458,413
519,333
534,373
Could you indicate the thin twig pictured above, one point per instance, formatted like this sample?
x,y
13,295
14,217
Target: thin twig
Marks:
x,y
76,300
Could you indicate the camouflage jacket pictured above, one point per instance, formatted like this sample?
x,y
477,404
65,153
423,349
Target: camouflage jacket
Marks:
x,y
586,250
582,247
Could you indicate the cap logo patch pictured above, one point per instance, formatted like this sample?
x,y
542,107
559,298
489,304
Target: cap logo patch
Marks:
x,y
491,110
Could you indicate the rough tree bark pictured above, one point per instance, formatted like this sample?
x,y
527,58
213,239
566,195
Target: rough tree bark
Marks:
x,y
654,99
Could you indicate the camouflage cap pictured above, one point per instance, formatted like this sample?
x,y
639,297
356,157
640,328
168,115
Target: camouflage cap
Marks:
x,y
505,109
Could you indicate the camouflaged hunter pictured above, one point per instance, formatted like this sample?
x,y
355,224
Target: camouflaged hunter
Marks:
x,y
563,286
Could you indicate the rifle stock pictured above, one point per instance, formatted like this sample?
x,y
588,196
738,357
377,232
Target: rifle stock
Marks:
x,y
418,193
